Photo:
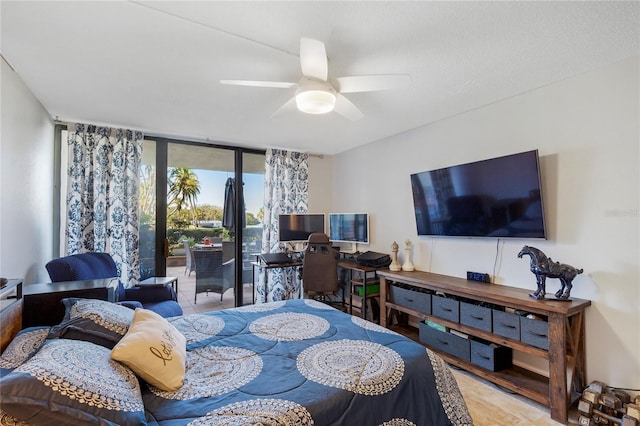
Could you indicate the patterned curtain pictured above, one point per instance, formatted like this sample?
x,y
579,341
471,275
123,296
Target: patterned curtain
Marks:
x,y
102,195
286,191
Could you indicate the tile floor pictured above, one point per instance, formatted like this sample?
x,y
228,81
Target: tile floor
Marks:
x,y
205,302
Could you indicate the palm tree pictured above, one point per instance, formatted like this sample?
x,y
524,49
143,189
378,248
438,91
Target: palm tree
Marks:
x,y
184,188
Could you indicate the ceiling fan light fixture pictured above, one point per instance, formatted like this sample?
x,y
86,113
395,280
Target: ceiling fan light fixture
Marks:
x,y
316,101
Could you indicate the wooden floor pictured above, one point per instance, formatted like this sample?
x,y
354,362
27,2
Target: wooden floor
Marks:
x,y
488,404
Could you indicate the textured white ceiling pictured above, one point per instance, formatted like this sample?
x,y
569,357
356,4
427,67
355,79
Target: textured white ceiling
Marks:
x,y
156,65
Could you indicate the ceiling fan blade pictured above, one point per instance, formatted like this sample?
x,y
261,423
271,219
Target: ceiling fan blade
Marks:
x,y
371,83
345,108
288,106
276,84
313,58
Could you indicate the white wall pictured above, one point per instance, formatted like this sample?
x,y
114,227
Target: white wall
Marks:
x,y
586,129
26,182
320,197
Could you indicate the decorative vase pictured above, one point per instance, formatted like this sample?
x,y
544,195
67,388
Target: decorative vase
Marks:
x,y
407,265
395,265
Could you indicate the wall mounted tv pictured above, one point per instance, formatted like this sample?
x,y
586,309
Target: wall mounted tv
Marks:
x,y
500,197
298,227
349,227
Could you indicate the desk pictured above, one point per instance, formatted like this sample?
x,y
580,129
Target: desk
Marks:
x,y
160,281
262,265
42,302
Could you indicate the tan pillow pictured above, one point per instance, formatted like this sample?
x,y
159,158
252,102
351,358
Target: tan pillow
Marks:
x,y
154,349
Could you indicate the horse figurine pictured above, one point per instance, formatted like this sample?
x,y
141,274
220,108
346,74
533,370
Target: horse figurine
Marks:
x,y
543,267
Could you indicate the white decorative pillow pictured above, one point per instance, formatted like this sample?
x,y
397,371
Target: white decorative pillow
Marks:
x,y
154,349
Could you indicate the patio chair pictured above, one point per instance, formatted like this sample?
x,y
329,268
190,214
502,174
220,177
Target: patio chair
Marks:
x,y
211,273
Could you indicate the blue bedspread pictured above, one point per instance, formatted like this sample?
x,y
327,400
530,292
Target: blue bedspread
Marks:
x,y
302,362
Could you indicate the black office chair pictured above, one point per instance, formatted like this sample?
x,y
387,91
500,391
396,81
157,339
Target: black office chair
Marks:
x,y
320,269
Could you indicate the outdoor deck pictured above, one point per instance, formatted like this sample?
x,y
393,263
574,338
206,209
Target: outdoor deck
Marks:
x,y
206,302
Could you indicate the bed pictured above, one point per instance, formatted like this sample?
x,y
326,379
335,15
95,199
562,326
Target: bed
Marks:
x,y
295,362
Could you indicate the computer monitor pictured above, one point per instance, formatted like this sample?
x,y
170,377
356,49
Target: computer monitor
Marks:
x,y
297,227
349,227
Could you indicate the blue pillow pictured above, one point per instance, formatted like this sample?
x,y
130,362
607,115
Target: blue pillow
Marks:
x,y
22,347
72,382
97,321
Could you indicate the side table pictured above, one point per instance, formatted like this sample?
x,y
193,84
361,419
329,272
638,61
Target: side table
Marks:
x,y
160,281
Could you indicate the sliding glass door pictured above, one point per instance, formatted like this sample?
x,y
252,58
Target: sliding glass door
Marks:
x,y
192,210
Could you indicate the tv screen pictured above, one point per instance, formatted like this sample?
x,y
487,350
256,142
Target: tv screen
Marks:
x,y
298,227
349,227
500,197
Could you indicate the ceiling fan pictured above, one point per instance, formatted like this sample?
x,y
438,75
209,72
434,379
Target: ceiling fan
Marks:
x,y
316,95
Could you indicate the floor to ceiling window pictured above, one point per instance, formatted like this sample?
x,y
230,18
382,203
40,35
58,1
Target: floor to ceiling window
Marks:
x,y
195,229
183,199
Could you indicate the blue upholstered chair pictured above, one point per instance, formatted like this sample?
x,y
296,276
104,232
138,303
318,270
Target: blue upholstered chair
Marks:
x,y
90,266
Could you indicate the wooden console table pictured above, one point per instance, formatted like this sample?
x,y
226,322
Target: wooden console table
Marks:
x,y
565,337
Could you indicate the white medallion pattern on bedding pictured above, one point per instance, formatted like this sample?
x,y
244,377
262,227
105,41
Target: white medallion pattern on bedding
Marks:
x,y
398,422
80,383
212,371
367,325
448,390
97,321
23,346
289,326
267,412
113,317
365,368
294,362
318,305
65,367
197,327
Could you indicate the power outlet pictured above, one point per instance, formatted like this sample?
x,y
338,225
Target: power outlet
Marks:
x,y
478,276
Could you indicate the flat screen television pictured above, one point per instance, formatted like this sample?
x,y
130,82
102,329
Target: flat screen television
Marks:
x,y
298,227
499,197
349,227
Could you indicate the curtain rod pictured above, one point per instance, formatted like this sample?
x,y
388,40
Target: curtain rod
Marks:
x,y
64,123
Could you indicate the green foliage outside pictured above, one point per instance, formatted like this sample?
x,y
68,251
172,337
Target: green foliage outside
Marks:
x,y
183,214
194,235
